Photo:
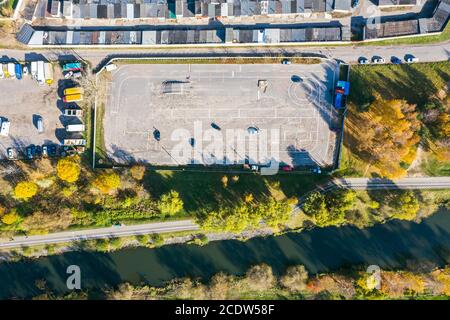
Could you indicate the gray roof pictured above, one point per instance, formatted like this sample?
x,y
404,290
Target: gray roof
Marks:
x,y
25,33
344,5
188,8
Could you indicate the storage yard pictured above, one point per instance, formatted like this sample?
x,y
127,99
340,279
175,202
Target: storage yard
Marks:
x,y
154,109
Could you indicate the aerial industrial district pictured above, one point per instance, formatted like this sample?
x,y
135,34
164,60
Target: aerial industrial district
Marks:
x,y
304,101
243,90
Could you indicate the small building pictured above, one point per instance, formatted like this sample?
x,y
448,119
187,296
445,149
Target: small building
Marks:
x,y
55,8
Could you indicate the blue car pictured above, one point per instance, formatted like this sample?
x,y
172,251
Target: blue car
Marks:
x,y
396,60
18,69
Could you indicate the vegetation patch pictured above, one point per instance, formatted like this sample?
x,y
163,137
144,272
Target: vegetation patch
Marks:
x,y
392,110
260,282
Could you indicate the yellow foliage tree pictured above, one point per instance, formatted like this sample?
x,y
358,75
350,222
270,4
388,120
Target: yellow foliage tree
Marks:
x,y
25,190
387,136
170,203
68,170
137,172
10,218
107,182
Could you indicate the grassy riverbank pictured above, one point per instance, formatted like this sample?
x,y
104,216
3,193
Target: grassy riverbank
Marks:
x,y
260,283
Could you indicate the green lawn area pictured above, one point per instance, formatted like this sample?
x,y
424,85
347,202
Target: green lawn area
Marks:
x,y
206,190
415,83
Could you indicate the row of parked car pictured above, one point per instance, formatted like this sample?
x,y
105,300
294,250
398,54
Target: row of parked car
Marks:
x,y
409,58
33,151
47,150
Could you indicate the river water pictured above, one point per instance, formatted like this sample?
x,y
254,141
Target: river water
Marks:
x,y
394,244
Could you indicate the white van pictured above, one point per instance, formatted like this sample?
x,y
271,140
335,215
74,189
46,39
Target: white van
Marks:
x,y
40,125
4,127
75,128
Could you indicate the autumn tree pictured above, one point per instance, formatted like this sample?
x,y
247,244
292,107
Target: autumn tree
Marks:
x,y
25,190
68,170
170,203
260,277
10,217
295,278
106,182
137,172
329,208
387,136
405,206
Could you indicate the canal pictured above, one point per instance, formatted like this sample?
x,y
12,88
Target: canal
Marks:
x,y
391,245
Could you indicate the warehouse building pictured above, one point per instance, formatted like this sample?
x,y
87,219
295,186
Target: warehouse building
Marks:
x,y
435,23
172,9
186,35
393,3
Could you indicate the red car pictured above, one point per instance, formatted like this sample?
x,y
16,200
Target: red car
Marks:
x,y
287,168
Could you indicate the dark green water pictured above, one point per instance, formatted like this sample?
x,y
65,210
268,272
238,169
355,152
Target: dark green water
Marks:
x,y
391,245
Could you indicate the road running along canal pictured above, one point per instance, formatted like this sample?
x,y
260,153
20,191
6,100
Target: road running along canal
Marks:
x,y
390,245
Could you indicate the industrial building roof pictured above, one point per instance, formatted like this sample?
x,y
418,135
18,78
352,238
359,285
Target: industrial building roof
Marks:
x,y
396,2
170,9
435,23
188,35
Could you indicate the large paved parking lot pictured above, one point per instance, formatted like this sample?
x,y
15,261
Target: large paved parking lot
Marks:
x,y
21,102
170,114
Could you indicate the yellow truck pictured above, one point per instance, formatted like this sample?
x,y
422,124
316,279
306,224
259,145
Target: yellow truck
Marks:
x,y
70,91
73,97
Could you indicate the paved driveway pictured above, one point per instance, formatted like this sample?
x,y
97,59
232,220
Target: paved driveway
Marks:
x,y
21,102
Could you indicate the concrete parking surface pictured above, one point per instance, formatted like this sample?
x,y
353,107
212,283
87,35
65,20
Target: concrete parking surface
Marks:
x,y
184,114
21,103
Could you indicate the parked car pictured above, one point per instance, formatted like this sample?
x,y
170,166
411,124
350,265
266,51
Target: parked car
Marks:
x,y
10,153
30,151
253,130
287,168
4,127
409,58
40,124
52,150
45,150
286,61
38,151
396,60
363,60
377,59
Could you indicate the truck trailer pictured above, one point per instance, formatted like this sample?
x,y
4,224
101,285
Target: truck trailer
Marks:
x,y
34,69
12,70
48,73
40,73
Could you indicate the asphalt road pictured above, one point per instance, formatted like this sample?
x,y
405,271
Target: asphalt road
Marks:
x,y
350,54
101,233
189,225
